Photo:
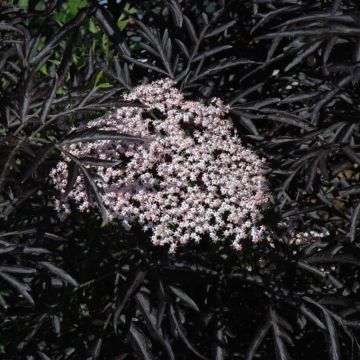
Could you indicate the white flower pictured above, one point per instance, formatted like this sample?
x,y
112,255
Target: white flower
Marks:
x,y
191,180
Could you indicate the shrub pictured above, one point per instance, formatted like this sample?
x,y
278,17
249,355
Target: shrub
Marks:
x,y
287,74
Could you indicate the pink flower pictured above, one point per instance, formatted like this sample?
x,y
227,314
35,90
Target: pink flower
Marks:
x,y
193,179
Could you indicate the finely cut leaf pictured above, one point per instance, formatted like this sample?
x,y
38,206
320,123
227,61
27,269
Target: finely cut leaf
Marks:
x,y
20,287
258,338
184,298
96,135
333,343
59,272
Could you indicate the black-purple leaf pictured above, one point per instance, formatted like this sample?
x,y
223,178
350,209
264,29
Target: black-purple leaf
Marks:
x,y
109,26
258,338
58,272
144,65
20,287
151,323
186,299
211,52
3,303
73,172
91,185
183,48
221,65
279,337
40,158
312,33
220,29
218,348
273,14
354,222
57,37
15,269
140,343
182,334
43,356
311,316
47,104
130,290
98,162
190,28
96,349
176,12
67,57
303,54
149,49
56,324
96,135
332,337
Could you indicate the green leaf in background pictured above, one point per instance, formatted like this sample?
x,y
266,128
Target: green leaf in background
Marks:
x,y
98,83
105,44
68,10
126,16
98,78
23,4
93,28
130,9
104,86
44,70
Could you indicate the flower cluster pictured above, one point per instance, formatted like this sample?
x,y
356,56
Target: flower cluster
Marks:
x,y
303,238
192,179
287,232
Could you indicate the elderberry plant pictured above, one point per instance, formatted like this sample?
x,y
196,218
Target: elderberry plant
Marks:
x,y
287,74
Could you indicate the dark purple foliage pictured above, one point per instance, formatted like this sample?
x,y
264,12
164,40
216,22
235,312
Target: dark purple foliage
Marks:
x,y
71,288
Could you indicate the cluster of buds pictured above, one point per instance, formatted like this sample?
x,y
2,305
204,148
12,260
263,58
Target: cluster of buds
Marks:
x,y
191,179
304,238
